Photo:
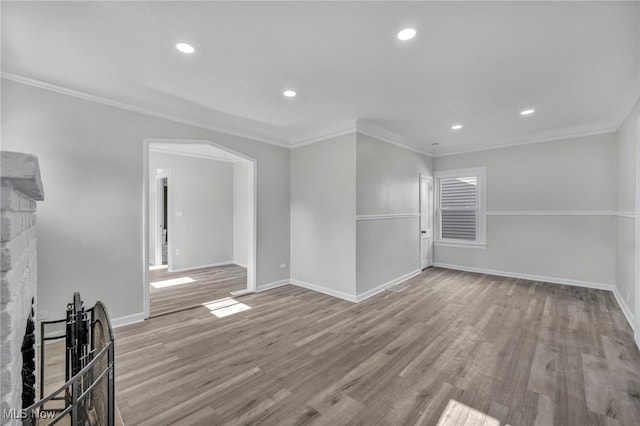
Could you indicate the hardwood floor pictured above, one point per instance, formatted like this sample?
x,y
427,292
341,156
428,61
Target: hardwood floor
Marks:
x,y
210,284
454,347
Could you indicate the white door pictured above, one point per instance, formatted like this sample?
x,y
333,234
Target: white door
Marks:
x,y
426,221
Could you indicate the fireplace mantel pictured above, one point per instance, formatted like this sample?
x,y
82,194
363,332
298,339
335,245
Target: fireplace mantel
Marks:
x,y
22,172
21,187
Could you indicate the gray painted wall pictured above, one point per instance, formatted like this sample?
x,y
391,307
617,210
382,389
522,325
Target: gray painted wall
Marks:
x,y
202,191
387,249
626,202
387,180
90,226
566,175
323,210
569,175
241,213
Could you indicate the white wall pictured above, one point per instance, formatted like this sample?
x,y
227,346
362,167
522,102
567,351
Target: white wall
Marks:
x,y
572,175
90,226
323,210
202,191
241,213
387,183
335,185
627,140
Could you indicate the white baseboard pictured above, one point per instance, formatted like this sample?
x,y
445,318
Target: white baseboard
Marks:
x,y
359,297
127,319
383,287
328,291
542,278
235,262
211,265
264,287
152,262
115,323
626,311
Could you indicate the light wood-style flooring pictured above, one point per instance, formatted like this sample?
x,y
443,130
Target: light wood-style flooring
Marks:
x,y
454,347
210,284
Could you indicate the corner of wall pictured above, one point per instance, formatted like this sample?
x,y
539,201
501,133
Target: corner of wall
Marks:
x,y
625,308
322,212
128,319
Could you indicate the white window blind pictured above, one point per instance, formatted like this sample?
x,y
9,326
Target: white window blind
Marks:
x,y
458,208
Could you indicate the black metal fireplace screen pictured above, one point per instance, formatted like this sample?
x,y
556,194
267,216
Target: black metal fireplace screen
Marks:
x,y
87,396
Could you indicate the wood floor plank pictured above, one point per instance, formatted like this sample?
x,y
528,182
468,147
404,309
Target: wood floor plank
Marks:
x,y
208,284
515,351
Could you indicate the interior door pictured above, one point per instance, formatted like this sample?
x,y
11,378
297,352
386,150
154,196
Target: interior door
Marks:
x,y
426,221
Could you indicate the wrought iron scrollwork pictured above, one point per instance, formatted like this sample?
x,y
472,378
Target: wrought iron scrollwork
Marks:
x,y
88,393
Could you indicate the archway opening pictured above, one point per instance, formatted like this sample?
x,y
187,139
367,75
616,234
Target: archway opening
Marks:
x,y
199,224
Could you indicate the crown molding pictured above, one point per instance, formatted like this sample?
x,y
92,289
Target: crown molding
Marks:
x,y
345,128
362,126
121,105
628,109
577,134
374,131
358,126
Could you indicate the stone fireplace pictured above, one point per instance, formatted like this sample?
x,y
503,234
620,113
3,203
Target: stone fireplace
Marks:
x,y
21,188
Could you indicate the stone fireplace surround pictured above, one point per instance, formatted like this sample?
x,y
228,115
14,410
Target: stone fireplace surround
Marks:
x,y
21,187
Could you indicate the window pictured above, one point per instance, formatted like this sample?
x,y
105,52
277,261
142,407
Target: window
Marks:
x,y
461,207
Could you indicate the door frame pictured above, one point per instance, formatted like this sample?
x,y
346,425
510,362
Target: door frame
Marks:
x,y
429,179
636,289
253,208
159,214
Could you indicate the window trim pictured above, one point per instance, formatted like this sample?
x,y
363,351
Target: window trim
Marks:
x,y
481,211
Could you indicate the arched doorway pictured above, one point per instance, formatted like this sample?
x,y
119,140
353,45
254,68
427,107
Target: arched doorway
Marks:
x,y
162,230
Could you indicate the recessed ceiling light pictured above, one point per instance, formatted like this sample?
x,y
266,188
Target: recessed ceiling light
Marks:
x,y
456,127
185,48
407,34
527,112
289,93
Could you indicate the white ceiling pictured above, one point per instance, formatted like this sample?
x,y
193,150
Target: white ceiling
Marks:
x,y
477,63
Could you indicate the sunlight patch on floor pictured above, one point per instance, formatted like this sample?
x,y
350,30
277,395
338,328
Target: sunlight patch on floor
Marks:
x,y
172,282
220,303
225,307
459,414
157,267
